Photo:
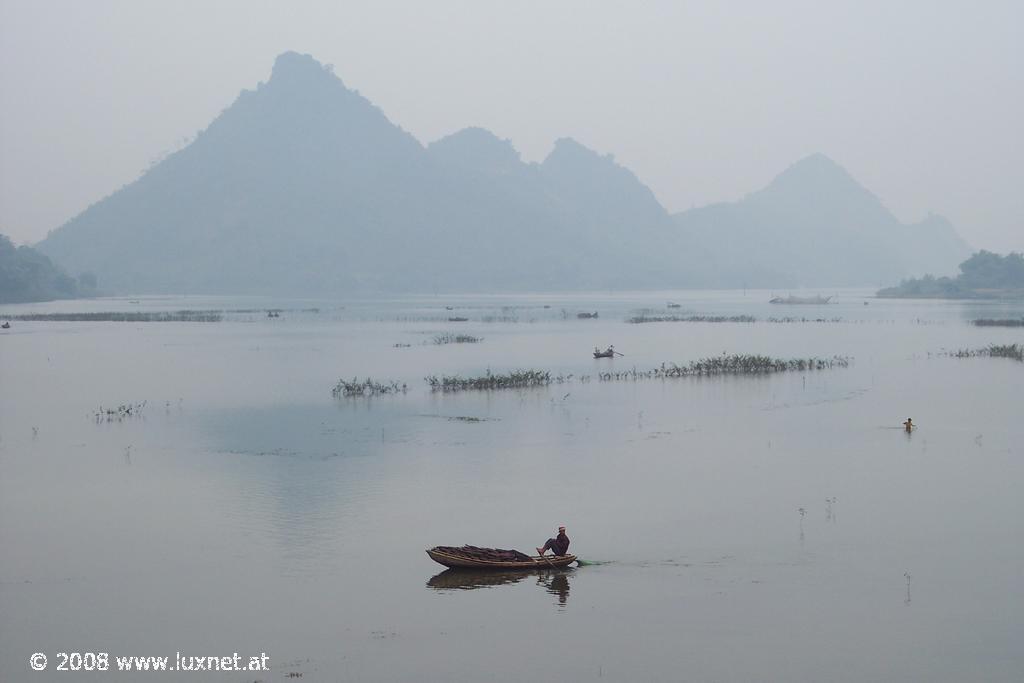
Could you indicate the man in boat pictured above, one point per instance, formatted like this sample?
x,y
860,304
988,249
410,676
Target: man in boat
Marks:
x,y
908,425
559,545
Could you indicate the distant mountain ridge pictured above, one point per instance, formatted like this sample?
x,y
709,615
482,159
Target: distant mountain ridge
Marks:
x,y
303,186
815,225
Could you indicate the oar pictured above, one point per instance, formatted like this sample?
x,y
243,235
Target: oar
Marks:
x,y
618,354
546,560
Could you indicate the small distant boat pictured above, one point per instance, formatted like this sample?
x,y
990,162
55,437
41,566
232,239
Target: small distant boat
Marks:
x,y
674,305
609,353
801,300
449,308
494,558
5,326
458,320
584,316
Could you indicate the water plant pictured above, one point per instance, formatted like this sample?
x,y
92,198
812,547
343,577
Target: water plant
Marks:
x,y
736,364
648,318
794,319
454,338
368,387
1014,351
120,413
516,379
126,317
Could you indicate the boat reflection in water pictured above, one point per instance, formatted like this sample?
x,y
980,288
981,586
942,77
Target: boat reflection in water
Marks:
x,y
554,581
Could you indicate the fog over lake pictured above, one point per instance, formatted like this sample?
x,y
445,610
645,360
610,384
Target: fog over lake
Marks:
x,y
775,527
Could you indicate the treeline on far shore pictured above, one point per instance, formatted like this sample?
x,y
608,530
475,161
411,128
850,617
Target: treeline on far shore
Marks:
x,y
984,275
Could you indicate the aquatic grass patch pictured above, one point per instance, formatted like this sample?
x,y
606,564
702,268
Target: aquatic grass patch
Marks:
x,y
794,319
183,316
121,413
125,317
736,364
516,379
368,387
454,338
648,318
1012,351
655,317
989,322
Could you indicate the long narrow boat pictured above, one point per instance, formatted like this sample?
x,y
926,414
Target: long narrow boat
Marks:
x,y
604,354
451,557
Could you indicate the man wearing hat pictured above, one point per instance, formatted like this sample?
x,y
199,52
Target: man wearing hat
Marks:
x,y
559,545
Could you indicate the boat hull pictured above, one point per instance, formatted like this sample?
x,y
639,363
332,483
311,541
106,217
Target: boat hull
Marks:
x,y
536,562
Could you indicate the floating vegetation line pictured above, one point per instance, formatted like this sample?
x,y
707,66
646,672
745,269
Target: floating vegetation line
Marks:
x,y
736,364
366,388
125,317
453,338
1014,351
793,319
647,318
516,379
989,322
186,316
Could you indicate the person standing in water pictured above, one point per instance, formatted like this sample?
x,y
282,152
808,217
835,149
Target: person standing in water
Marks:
x,y
559,545
909,425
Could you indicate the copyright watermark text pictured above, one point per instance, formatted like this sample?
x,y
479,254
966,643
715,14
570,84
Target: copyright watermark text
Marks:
x,y
103,661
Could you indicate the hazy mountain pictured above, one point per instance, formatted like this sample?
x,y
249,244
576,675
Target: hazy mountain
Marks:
x,y
303,186
815,225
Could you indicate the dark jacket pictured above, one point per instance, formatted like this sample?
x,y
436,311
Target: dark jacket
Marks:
x,y
561,544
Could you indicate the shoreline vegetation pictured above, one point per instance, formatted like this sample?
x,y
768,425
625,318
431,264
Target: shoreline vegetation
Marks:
x,y
984,275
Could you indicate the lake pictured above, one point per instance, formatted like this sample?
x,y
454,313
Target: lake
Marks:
x,y
775,527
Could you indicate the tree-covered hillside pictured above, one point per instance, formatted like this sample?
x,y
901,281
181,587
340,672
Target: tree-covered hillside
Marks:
x,y
27,275
983,276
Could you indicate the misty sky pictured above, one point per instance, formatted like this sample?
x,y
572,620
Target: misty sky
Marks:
x,y
921,101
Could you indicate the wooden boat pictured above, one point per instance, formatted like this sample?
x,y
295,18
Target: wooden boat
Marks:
x,y
458,319
674,305
586,316
6,325
452,557
604,354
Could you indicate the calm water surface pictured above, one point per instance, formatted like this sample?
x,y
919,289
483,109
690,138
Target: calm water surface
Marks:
x,y
246,510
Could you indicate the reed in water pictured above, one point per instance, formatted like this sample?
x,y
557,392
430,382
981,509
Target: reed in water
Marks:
x,y
368,387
